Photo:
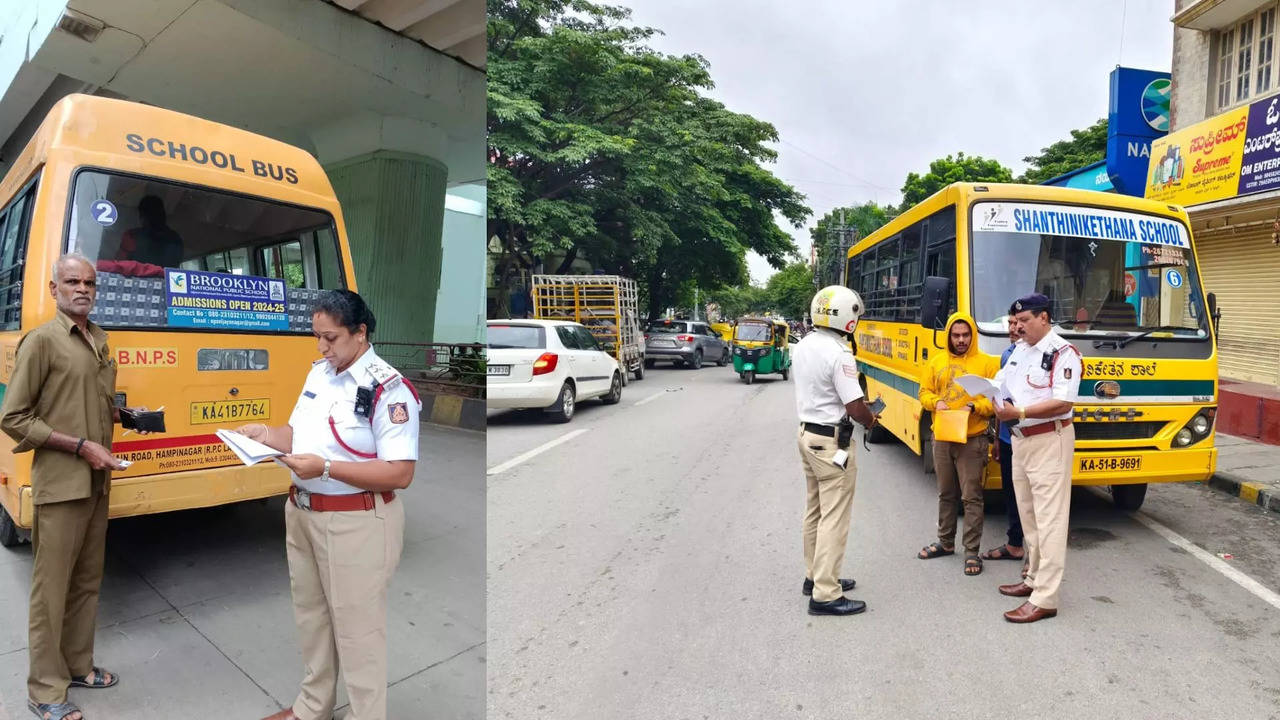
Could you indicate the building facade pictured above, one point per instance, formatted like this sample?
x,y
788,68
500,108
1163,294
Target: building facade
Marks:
x,y
1221,161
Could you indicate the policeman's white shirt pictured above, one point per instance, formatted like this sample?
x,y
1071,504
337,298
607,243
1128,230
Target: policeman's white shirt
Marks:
x,y
1028,382
826,377
392,432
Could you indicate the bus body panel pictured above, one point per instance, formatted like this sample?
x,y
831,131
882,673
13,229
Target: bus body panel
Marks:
x,y
1164,393
185,467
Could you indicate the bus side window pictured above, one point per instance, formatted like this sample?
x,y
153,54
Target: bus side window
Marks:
x,y
15,225
941,262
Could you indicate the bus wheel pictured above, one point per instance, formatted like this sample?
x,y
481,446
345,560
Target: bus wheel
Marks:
x,y
926,447
878,434
10,536
1129,497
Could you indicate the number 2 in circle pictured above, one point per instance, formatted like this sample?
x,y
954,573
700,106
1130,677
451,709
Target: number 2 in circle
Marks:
x,y
104,213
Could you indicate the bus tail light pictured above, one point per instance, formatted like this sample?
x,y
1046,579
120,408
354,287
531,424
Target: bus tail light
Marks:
x,y
545,363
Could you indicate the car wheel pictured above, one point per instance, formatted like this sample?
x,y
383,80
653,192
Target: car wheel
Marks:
x,y
1129,497
724,359
649,363
10,536
562,410
615,391
697,360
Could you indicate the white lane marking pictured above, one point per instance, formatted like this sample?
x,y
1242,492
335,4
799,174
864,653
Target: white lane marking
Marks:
x,y
535,452
651,398
1262,592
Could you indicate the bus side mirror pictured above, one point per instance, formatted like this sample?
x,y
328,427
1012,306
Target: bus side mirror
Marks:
x,y
1214,313
933,304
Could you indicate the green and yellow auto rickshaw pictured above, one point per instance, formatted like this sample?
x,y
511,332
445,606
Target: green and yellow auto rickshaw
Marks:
x,y
760,346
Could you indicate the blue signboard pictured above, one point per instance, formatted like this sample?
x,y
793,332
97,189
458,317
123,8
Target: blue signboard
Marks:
x,y
222,301
1139,113
1090,177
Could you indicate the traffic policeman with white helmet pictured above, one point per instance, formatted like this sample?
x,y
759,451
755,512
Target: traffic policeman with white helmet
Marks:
x,y
352,442
827,395
1040,382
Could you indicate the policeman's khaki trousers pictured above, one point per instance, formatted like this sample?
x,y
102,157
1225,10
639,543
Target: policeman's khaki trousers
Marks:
x,y
1042,484
340,564
826,516
67,540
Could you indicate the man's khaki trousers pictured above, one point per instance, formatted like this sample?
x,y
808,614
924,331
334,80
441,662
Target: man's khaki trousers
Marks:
x,y
960,468
826,516
1042,484
340,564
67,541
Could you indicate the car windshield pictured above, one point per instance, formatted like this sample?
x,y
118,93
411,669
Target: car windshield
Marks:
x,y
668,326
753,332
516,336
1105,272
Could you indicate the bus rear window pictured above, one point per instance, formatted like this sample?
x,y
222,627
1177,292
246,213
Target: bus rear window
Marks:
x,y
135,228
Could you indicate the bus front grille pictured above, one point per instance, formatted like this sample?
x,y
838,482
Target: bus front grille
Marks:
x,y
1118,430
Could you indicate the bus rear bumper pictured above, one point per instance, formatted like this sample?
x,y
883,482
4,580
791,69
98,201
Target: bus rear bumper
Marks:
x,y
181,490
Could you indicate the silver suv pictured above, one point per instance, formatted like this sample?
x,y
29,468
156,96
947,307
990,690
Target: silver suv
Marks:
x,y
684,342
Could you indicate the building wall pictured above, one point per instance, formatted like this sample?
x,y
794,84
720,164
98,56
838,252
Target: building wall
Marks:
x,y
460,306
1191,75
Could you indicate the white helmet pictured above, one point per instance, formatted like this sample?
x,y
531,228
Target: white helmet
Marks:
x,y
836,307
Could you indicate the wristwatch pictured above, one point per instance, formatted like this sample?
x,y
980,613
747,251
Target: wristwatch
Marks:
x,y
325,475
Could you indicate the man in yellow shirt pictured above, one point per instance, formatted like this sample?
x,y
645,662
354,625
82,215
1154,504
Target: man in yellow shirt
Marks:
x,y
959,465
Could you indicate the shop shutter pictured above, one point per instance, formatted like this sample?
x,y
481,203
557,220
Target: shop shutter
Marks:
x,y
1243,269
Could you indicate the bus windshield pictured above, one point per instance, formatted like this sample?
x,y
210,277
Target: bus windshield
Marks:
x,y
134,228
1106,272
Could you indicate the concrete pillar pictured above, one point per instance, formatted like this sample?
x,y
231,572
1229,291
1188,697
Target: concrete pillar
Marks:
x,y
393,203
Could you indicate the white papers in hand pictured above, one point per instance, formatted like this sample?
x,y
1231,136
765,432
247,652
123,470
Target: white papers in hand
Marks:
x,y
977,385
250,452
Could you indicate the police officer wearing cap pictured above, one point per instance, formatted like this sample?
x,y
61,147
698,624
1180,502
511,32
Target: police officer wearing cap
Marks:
x,y
1040,382
827,394
352,442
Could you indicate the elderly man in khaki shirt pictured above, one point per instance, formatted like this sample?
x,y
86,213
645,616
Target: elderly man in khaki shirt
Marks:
x,y
60,404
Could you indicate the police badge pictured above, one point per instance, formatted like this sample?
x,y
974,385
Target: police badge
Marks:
x,y
398,412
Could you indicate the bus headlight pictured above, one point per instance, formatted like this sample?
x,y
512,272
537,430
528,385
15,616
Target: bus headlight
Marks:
x,y
1183,438
1200,425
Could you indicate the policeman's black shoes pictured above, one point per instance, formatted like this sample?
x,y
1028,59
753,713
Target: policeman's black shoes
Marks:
x,y
845,585
840,606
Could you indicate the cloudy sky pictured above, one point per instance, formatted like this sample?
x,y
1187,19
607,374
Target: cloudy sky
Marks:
x,y
864,91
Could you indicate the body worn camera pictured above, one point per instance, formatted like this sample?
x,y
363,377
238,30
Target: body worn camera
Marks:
x,y
364,401
1046,360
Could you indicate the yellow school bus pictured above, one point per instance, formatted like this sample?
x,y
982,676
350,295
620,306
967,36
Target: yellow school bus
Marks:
x,y
1121,274
211,244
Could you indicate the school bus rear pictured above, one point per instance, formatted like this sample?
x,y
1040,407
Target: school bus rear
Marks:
x,y
211,244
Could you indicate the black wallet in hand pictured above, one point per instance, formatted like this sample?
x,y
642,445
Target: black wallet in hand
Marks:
x,y
145,420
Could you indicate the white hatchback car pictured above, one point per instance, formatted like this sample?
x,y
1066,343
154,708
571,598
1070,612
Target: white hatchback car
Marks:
x,y
548,364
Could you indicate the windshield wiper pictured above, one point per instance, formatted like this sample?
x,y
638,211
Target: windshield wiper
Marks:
x,y
1162,328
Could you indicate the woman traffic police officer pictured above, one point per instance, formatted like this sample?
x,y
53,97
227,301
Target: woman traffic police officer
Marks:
x,y
353,441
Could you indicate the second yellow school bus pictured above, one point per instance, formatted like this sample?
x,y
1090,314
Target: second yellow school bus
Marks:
x,y
210,243
1121,273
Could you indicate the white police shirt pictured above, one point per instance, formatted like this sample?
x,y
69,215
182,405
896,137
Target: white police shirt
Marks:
x,y
826,377
1027,380
391,434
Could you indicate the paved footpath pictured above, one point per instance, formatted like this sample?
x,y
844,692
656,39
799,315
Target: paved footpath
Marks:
x,y
1249,470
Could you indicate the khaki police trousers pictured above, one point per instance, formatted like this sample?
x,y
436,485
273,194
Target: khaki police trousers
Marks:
x,y
67,541
826,515
960,468
1042,484
340,564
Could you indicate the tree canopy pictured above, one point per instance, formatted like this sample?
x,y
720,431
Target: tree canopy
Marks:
x,y
601,148
951,169
862,219
790,290
1085,147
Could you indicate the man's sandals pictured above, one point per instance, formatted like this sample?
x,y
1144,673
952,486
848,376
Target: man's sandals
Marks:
x,y
54,711
1002,553
934,550
972,565
96,679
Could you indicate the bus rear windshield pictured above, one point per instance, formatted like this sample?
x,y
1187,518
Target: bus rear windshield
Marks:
x,y
181,257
